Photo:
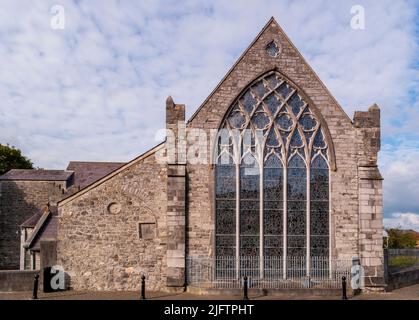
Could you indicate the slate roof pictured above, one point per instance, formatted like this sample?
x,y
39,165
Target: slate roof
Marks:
x,y
49,231
79,174
86,173
82,173
33,220
37,175
45,228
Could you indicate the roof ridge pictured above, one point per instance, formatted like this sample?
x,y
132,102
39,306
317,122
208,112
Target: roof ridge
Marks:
x,y
310,68
111,174
45,215
272,19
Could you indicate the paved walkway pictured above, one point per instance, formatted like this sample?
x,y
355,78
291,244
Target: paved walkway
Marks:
x,y
408,293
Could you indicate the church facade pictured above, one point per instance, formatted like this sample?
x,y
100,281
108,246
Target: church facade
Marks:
x,y
269,179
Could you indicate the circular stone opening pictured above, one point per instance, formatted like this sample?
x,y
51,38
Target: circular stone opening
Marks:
x,y
114,208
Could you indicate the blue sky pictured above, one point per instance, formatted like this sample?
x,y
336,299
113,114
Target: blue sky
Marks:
x,y
96,90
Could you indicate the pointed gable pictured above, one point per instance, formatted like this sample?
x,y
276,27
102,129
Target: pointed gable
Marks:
x,y
271,50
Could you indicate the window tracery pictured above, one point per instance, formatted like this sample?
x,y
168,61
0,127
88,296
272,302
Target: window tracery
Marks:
x,y
276,180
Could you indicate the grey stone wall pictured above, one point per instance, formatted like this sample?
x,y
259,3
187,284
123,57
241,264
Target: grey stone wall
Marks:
x,y
176,200
99,243
110,235
17,280
370,195
403,278
349,146
344,181
19,200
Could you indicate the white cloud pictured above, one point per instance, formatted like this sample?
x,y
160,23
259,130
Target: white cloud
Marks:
x,y
408,221
96,90
399,163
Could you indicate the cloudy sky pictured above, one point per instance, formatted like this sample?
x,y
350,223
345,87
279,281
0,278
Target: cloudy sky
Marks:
x,y
96,90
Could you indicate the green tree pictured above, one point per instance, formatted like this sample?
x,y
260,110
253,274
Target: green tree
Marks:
x,y
400,239
12,158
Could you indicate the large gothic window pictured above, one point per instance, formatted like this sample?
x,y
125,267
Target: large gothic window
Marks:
x,y
272,179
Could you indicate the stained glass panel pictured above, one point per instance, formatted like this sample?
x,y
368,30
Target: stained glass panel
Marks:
x,y
260,120
260,89
319,140
273,246
308,136
296,203
296,103
296,141
249,206
320,246
225,245
284,90
273,182
248,101
272,139
319,207
273,103
307,122
226,217
271,120
225,204
272,81
272,49
237,120
284,122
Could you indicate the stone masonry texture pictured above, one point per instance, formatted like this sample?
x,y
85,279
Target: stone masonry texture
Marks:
x,y
148,217
19,200
353,148
99,240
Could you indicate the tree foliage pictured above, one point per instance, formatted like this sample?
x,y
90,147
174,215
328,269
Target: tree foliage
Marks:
x,y
12,158
400,239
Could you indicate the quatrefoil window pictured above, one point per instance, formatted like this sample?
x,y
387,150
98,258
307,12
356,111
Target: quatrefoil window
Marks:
x,y
272,49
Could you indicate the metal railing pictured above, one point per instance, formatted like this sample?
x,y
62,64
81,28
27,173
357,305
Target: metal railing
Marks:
x,y
404,252
228,272
399,259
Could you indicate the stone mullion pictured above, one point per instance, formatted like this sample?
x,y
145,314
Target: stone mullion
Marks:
x,y
285,103
284,225
308,242
330,224
311,143
261,213
238,219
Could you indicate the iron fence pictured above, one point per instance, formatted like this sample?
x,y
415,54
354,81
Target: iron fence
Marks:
x,y
398,259
228,272
404,252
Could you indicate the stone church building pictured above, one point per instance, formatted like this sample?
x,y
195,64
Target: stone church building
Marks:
x,y
269,179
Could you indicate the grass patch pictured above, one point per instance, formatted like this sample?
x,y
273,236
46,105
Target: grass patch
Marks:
x,y
403,261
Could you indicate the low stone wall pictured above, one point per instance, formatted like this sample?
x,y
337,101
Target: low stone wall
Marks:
x,y
16,280
403,278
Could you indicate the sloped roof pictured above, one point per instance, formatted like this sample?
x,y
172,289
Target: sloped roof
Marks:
x,y
33,220
50,231
112,174
291,44
86,173
37,175
265,28
46,228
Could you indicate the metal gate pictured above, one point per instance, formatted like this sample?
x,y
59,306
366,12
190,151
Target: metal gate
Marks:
x,y
228,272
